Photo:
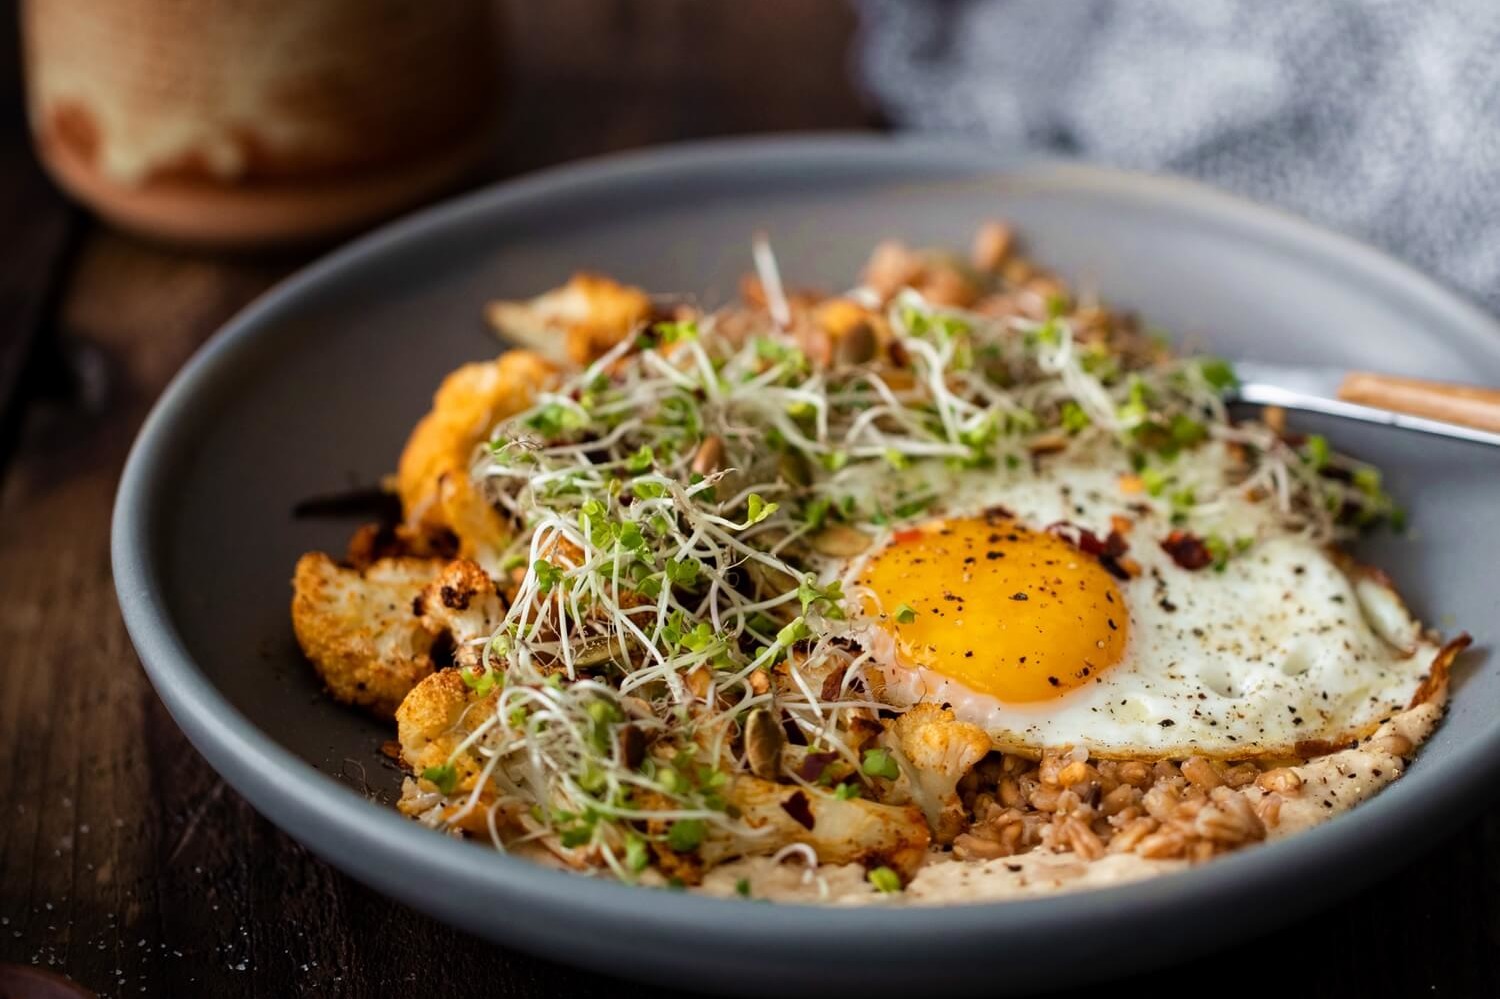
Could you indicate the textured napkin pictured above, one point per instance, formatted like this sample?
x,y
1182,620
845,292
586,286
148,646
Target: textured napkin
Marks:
x,y
1380,118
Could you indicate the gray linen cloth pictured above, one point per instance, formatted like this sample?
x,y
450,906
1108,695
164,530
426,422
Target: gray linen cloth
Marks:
x,y
1380,118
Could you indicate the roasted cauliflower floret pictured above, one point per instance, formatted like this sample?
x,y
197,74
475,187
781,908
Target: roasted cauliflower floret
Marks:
x,y
373,542
428,731
462,603
839,831
575,323
848,334
426,718
358,628
938,277
432,477
940,751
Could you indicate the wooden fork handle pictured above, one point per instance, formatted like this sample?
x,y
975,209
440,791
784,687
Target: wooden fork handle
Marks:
x,y
1468,405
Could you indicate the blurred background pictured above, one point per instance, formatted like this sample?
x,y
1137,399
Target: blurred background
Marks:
x,y
162,162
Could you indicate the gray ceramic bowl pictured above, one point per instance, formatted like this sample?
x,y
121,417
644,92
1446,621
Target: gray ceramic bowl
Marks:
x,y
313,388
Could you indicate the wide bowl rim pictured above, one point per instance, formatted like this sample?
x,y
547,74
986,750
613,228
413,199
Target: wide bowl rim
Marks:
x,y
311,804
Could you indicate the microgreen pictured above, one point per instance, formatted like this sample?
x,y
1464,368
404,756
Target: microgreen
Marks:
x,y
1317,451
481,682
758,509
828,599
670,495
685,835
641,459
885,880
444,776
676,332
1218,373
1073,417
880,763
547,575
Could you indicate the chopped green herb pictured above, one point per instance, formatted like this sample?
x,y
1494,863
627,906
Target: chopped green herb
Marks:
x,y
905,614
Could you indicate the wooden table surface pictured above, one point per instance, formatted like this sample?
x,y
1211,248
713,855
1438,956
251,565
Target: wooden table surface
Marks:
x,y
125,862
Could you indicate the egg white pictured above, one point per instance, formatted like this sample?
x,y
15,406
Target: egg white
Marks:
x,y
1288,646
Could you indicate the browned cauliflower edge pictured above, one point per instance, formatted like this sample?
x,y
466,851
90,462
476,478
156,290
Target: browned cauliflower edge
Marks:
x,y
432,477
938,750
359,629
575,323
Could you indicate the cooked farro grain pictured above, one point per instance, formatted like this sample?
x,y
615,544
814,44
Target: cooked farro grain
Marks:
x,y
1067,802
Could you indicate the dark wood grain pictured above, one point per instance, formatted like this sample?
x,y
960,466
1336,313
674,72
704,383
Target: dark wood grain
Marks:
x,y
38,227
126,863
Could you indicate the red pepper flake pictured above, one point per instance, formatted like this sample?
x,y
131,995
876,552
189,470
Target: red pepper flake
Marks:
x,y
904,535
799,809
1109,551
813,765
1187,550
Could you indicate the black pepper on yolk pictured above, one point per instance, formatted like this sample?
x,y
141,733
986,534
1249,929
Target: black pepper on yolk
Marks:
x,y
1017,614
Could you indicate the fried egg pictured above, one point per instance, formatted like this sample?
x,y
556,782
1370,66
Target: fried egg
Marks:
x,y
1004,605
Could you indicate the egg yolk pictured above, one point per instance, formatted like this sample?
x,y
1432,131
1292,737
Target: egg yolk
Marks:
x,y
1017,614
